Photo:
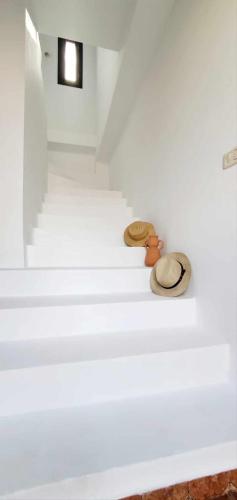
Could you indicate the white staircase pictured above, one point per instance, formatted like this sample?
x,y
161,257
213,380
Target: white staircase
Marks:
x,y
102,382
82,228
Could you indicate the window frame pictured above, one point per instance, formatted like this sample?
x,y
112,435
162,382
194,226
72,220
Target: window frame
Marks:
x,y
61,64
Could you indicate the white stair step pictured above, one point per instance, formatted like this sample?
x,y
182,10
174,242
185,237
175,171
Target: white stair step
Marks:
x,y
79,282
31,352
92,226
63,177
80,238
64,200
84,180
32,318
73,385
47,255
135,478
86,193
142,444
64,211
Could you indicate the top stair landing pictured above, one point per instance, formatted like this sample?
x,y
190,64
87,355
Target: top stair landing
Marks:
x,y
83,180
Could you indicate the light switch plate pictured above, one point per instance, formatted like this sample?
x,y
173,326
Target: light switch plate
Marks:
x,y
230,159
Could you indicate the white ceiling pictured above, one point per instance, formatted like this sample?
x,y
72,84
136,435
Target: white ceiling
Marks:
x,y
102,23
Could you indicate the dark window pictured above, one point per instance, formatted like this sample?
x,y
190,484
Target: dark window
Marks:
x,y
70,63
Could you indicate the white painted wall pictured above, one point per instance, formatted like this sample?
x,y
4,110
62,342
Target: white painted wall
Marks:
x,y
68,161
74,163
71,112
124,75
169,160
12,41
35,135
108,63
23,154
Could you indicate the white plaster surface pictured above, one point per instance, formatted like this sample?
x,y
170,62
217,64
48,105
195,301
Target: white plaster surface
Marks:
x,y
71,171
101,381
23,156
125,72
108,64
35,135
12,88
71,112
170,434
137,478
169,161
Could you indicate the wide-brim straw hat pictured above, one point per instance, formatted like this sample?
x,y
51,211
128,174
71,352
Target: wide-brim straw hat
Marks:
x,y
171,275
136,234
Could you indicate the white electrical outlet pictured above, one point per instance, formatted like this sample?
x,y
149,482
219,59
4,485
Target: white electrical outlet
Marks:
x,y
230,159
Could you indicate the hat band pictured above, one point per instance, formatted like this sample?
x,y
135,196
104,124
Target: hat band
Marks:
x,y
179,280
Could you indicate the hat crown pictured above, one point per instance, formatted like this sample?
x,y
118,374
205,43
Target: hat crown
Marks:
x,y
137,230
168,271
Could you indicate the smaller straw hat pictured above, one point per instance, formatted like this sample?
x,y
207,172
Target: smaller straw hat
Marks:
x,y
171,275
136,234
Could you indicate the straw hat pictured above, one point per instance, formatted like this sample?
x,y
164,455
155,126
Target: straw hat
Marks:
x,y
136,234
171,274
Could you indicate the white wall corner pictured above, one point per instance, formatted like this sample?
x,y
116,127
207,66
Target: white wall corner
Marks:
x,y
146,30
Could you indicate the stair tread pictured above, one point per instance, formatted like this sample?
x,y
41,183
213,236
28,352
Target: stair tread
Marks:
x,y
74,300
65,385
79,191
34,351
56,317
125,214
122,433
96,200
107,248
65,200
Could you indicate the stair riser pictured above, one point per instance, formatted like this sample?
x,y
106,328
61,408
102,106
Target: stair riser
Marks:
x,y
75,385
85,319
52,256
111,224
121,481
78,239
56,282
85,180
86,193
90,235
87,211
75,201
80,348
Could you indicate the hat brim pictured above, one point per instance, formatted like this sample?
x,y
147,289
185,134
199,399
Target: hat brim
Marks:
x,y
138,243
181,287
